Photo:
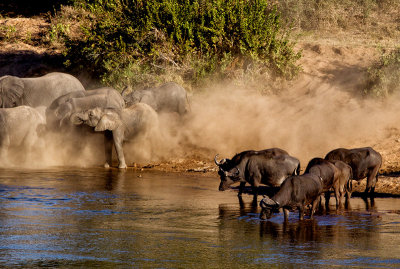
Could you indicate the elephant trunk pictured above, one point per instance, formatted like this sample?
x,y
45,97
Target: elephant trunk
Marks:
x,y
78,118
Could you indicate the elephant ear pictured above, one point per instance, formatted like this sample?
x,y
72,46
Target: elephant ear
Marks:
x,y
109,121
12,89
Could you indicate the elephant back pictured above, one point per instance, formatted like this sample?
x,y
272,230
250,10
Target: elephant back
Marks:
x,y
139,118
42,91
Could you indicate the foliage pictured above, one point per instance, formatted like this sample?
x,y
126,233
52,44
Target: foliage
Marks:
x,y
384,77
192,38
58,32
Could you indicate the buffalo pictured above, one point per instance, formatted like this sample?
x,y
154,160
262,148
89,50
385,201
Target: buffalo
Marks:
x,y
270,167
295,192
364,162
343,181
334,175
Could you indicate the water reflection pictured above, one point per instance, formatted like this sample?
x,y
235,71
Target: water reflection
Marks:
x,y
98,217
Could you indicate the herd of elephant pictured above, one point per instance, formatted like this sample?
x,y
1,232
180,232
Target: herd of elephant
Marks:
x,y
276,168
58,102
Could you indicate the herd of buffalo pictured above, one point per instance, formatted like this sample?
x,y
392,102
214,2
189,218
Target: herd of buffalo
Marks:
x,y
276,168
58,102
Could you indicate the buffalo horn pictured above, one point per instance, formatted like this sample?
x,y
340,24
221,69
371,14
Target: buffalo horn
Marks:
x,y
267,202
219,163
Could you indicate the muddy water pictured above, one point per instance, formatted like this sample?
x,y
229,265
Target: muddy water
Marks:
x,y
106,218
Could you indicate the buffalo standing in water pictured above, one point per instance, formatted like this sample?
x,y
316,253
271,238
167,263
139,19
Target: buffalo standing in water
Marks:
x,y
365,163
270,167
333,174
295,192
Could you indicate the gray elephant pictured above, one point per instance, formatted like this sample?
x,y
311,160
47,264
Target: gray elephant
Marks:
x,y
138,121
58,113
34,92
169,97
19,126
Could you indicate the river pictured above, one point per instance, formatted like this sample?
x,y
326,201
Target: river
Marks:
x,y
74,217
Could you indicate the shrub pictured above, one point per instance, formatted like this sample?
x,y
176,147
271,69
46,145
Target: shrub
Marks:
x,y
384,77
192,38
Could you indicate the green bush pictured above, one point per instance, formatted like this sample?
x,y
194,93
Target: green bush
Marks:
x,y
384,77
192,38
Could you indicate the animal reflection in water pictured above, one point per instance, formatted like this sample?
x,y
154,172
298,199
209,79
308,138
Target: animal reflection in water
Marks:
x,y
248,210
321,178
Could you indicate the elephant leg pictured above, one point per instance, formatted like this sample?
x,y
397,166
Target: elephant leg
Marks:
x,y
4,145
108,140
28,144
371,180
118,140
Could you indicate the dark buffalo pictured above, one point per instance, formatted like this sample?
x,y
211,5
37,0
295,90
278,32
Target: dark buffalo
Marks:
x,y
365,163
343,180
295,192
269,167
333,174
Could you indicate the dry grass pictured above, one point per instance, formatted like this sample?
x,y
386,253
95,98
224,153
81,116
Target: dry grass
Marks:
x,y
365,22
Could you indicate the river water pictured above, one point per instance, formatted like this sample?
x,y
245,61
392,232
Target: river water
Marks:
x,y
108,218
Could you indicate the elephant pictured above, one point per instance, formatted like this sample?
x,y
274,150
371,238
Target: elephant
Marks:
x,y
34,92
19,126
137,121
60,110
169,97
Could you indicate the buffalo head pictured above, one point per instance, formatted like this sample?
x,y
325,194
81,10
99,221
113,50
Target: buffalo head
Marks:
x,y
268,206
227,172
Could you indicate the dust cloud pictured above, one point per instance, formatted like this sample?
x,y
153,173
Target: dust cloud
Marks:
x,y
307,123
307,118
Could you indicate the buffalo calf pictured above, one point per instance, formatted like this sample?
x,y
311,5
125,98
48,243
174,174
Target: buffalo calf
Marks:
x,y
295,192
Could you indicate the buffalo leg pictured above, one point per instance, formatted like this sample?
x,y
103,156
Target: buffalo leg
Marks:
x,y
349,189
371,180
327,197
301,212
241,188
337,197
241,203
286,213
255,194
314,206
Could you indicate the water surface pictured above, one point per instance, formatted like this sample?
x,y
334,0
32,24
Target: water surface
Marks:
x,y
109,218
